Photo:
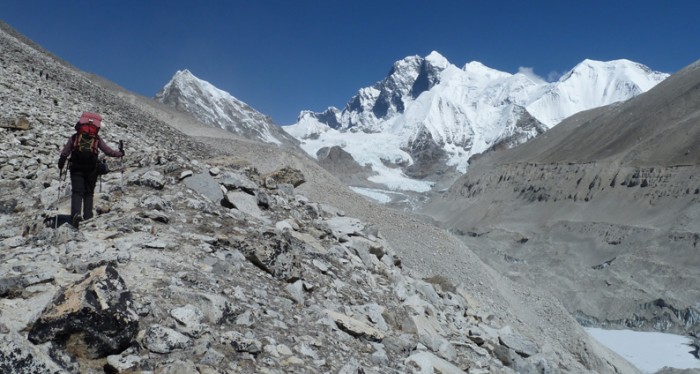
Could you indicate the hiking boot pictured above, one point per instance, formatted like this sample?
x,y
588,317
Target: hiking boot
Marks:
x,y
76,220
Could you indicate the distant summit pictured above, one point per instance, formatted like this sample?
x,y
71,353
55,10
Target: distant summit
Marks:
x,y
218,108
428,116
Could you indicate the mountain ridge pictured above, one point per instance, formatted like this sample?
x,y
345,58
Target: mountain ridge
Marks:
x,y
466,111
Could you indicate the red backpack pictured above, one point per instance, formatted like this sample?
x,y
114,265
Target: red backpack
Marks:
x,y
84,156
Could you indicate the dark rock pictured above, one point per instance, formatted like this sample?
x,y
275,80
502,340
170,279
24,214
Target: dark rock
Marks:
x,y
263,200
428,156
337,161
8,206
97,310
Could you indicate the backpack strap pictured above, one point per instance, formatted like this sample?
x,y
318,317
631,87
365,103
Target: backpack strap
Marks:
x,y
93,144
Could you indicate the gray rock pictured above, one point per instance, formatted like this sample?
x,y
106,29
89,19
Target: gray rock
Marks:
x,y
206,186
240,182
342,226
151,178
16,278
426,362
180,367
123,364
212,357
185,174
13,242
519,344
189,318
296,291
270,183
285,189
244,202
156,216
354,327
161,339
275,254
430,332
156,202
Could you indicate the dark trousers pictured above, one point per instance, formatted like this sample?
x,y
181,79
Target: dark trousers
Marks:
x,y
83,189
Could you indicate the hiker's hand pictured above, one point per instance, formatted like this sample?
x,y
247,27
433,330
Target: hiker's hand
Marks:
x,y
61,163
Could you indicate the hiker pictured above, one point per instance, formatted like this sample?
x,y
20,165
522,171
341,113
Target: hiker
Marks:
x,y
82,148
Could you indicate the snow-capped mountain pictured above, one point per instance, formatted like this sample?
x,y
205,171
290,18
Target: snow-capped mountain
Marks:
x,y
218,108
428,114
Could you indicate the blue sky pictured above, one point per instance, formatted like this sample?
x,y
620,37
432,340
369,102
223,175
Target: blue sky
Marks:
x,y
284,56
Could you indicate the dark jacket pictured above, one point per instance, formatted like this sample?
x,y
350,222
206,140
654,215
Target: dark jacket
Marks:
x,y
101,145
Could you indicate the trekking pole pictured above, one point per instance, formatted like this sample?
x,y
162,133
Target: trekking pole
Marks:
x,y
58,198
121,165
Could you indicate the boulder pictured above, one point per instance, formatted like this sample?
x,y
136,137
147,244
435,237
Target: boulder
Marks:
x,y
519,344
205,185
237,181
287,175
342,226
244,202
276,254
98,310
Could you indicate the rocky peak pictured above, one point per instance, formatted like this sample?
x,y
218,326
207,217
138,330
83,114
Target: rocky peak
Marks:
x,y
218,108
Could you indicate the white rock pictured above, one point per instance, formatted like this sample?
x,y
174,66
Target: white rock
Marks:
x,y
185,174
428,363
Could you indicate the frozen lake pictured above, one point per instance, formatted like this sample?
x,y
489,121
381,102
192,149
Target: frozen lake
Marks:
x,y
648,351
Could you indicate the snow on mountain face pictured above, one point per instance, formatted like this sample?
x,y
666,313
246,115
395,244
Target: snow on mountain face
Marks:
x,y
592,84
218,108
428,112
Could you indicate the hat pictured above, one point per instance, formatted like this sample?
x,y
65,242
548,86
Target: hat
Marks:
x,y
90,118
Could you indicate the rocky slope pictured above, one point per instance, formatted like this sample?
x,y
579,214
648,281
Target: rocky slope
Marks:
x,y
602,210
216,254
